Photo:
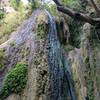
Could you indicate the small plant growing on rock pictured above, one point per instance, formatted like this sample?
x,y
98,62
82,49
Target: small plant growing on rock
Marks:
x,y
15,80
2,14
2,59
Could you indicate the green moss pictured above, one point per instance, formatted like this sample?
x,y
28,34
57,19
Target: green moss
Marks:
x,y
89,79
1,53
15,4
41,31
2,59
2,14
90,85
1,67
68,48
15,80
42,25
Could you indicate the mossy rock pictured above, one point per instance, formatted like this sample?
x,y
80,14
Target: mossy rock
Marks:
x,y
42,25
68,48
15,80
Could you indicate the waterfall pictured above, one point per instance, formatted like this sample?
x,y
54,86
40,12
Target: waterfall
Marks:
x,y
60,82
60,85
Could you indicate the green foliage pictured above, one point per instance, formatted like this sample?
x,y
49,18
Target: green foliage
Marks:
x,y
15,4
42,25
2,14
18,5
72,3
52,9
34,5
68,48
2,59
15,80
75,30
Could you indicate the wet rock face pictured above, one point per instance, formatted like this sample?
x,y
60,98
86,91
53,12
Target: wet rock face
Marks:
x,y
25,45
48,72
78,69
37,84
84,62
30,45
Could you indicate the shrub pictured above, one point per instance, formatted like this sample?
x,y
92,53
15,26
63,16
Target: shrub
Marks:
x,y
76,32
72,3
68,48
2,14
15,80
15,4
34,5
52,9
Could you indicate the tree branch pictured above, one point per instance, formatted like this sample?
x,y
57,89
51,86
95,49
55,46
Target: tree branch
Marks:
x,y
95,7
76,15
57,2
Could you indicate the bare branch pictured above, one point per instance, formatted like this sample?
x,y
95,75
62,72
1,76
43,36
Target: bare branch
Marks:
x,y
78,16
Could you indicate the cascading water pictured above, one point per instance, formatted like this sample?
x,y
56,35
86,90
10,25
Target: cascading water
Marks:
x,y
60,85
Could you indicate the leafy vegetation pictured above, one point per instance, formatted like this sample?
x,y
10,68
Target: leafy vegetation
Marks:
x,y
16,4
52,9
15,80
68,48
34,5
72,3
2,59
76,32
2,14
42,26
